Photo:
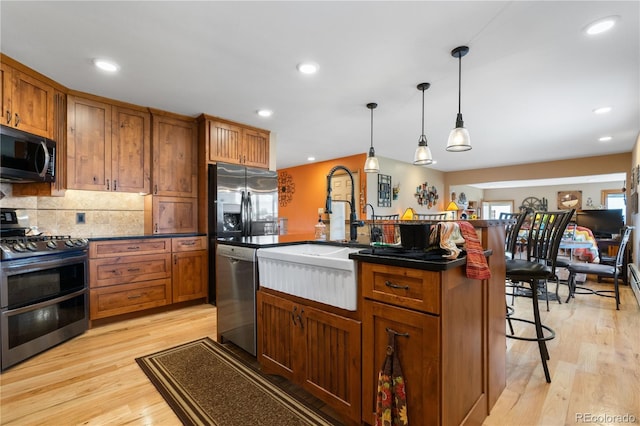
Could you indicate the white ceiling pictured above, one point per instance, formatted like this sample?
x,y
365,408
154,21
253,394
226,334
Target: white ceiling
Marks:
x,y
529,82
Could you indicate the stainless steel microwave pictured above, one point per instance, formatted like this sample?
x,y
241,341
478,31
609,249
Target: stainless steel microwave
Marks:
x,y
25,157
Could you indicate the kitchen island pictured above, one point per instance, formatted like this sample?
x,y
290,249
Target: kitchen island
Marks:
x,y
450,342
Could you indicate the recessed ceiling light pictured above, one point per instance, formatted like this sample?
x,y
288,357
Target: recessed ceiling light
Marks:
x,y
602,110
265,112
601,25
308,67
106,65
311,158
605,139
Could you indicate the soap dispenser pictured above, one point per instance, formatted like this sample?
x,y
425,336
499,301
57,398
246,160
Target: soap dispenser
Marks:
x,y
321,230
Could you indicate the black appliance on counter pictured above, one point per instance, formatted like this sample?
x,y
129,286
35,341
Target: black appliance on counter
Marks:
x,y
43,290
243,202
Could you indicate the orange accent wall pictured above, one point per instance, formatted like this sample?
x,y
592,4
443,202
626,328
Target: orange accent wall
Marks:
x,y
311,191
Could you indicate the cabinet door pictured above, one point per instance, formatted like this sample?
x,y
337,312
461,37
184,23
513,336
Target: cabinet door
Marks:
x,y
225,142
30,103
6,84
332,351
88,144
255,148
131,150
277,325
171,215
189,275
418,354
174,157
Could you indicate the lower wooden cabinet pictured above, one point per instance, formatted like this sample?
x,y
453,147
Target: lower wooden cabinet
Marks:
x,y
129,275
311,347
190,268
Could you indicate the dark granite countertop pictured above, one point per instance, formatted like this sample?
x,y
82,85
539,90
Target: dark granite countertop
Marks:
x,y
415,260
138,237
264,241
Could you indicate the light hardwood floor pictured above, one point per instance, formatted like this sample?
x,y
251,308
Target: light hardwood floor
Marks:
x,y
94,380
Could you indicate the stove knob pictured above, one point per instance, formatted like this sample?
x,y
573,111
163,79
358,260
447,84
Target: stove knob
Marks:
x,y
32,246
80,242
52,244
68,243
19,247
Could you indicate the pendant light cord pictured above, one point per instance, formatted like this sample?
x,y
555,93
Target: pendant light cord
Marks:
x,y
422,111
371,127
459,81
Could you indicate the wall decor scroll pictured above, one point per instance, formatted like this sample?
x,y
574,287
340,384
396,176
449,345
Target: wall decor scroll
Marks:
x,y
384,190
286,188
426,195
568,200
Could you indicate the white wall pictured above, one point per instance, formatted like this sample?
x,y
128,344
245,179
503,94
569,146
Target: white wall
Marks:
x,y
408,177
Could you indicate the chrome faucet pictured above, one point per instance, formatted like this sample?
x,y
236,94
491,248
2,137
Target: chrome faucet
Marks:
x,y
353,222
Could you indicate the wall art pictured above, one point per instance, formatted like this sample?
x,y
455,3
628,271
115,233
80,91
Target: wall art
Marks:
x,y
384,190
426,195
568,200
286,188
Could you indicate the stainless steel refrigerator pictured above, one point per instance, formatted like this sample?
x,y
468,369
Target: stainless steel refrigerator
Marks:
x,y
243,202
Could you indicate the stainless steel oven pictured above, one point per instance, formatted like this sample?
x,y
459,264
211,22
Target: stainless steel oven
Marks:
x,y
43,294
44,303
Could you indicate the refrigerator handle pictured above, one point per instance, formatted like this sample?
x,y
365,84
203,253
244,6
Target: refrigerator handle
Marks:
x,y
242,216
249,214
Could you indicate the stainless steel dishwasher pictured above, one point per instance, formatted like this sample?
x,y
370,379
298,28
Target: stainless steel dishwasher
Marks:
x,y
236,286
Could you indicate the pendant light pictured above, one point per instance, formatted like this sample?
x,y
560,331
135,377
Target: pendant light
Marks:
x,y
459,139
371,165
423,156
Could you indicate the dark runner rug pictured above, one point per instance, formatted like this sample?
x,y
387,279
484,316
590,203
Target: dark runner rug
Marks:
x,y
205,384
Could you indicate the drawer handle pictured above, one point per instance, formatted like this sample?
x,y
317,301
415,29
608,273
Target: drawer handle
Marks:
x,y
188,243
293,315
392,331
133,269
300,318
137,296
133,248
392,285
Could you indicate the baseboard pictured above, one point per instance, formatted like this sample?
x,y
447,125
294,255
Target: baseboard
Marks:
x,y
634,281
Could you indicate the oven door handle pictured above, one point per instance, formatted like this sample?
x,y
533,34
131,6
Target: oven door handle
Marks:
x,y
36,306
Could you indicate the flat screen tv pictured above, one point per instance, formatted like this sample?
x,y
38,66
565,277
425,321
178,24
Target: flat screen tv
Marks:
x,y
603,223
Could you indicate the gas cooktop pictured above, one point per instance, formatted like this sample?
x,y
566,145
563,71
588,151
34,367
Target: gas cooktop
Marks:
x,y
17,247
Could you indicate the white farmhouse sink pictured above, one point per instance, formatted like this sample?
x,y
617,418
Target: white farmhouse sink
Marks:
x,y
322,273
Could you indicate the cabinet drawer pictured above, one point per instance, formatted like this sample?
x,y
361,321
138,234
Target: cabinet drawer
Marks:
x,y
126,247
409,288
128,269
121,299
188,244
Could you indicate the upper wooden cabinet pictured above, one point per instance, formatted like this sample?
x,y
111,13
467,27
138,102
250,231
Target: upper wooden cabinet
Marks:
x,y
108,146
27,102
233,143
175,155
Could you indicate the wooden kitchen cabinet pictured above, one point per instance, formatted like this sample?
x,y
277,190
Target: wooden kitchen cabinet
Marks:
x,y
316,349
175,155
170,215
233,143
128,275
108,146
27,101
441,342
190,268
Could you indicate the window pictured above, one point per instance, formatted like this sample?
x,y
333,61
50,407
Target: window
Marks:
x,y
615,199
492,209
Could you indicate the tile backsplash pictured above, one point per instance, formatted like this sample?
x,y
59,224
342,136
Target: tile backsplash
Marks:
x,y
106,213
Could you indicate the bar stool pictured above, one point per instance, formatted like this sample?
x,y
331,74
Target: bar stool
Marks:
x,y
543,243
